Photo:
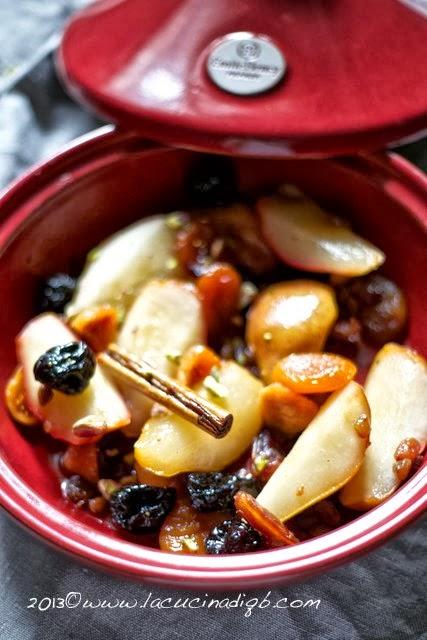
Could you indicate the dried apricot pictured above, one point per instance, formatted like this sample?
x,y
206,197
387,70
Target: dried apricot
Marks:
x,y
185,530
15,399
97,326
82,460
285,409
277,533
314,372
196,363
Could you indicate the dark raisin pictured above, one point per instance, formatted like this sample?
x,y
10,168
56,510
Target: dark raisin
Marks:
x,y
265,456
140,507
215,491
378,304
233,536
212,182
346,337
56,292
77,490
112,449
67,367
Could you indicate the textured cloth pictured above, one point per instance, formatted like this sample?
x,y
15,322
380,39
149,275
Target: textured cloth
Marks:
x,y
380,597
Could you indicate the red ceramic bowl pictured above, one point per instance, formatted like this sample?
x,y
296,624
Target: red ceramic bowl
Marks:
x,y
53,215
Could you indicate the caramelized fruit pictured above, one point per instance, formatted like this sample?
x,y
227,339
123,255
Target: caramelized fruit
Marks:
x,y
314,372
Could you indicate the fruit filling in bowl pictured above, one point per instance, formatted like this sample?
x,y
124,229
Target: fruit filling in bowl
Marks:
x,y
200,382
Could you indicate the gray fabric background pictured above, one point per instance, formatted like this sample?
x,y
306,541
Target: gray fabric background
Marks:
x,y
380,597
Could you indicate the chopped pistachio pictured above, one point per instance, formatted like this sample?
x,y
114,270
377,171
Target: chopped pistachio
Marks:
x,y
217,389
93,254
215,374
107,487
176,220
260,463
190,543
171,263
241,358
248,291
174,357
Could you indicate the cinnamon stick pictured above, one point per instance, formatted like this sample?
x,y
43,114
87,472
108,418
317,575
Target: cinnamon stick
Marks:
x,y
166,391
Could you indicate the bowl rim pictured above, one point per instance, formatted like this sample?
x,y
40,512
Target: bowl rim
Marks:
x,y
240,570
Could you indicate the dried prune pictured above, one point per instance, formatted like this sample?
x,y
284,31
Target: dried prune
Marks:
x,y
378,304
345,338
67,368
212,182
56,292
233,536
140,507
113,451
215,491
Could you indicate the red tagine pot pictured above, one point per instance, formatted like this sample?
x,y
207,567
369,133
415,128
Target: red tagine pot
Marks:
x,y
279,126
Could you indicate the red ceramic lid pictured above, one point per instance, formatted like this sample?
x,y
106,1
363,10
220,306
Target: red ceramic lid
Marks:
x,y
312,77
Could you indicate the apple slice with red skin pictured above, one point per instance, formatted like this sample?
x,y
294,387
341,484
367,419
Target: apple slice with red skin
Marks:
x,y
308,238
98,404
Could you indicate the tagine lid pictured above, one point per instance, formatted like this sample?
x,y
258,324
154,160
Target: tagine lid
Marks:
x,y
259,78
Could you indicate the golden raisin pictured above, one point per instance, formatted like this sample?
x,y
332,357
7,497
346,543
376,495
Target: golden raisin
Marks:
x,y
15,399
98,505
97,326
363,426
402,468
82,460
408,449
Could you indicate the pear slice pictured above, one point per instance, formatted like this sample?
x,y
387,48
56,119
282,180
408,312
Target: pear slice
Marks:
x,y
306,237
326,455
117,268
164,321
396,388
169,445
99,404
